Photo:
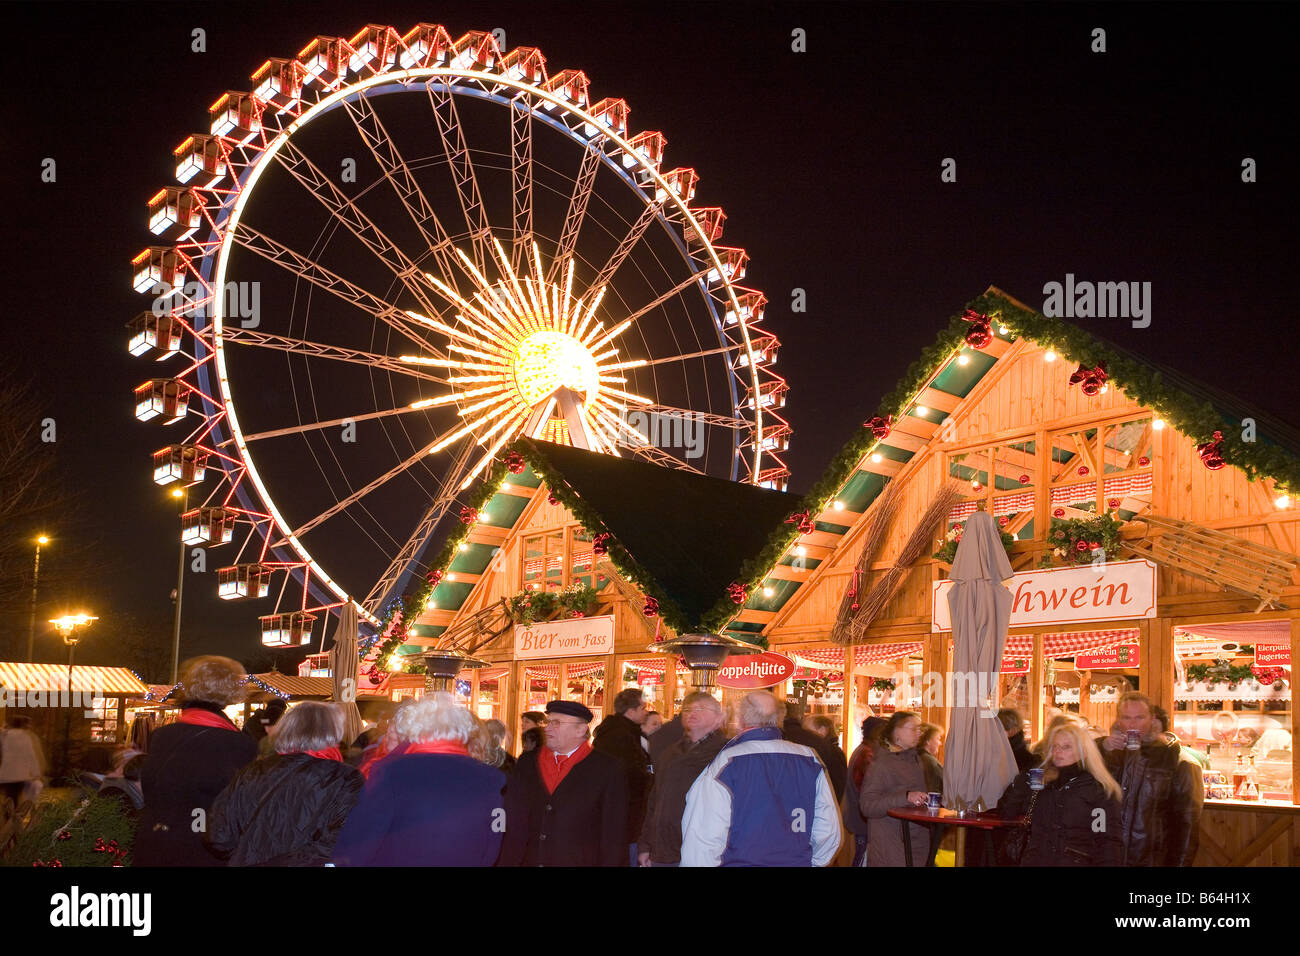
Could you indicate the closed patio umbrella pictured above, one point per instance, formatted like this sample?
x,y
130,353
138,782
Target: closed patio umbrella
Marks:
x,y
343,665
978,760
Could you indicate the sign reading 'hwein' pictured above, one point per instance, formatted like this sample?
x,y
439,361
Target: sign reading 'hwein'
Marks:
x,y
750,672
1115,591
574,637
1112,658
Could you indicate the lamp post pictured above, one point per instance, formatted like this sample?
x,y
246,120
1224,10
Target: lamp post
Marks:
x,y
704,655
36,576
67,628
184,497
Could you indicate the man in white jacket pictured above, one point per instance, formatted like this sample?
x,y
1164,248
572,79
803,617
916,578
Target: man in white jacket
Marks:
x,y
763,801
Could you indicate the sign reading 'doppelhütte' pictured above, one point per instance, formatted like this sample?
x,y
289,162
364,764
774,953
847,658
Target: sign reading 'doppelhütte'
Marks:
x,y
571,637
1114,591
750,672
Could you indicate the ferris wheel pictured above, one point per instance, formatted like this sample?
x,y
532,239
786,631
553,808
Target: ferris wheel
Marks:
x,y
394,255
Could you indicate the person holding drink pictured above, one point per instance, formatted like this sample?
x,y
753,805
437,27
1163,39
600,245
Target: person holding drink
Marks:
x,y
895,778
1073,804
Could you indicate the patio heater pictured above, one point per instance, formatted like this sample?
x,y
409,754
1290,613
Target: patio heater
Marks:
x,y
704,655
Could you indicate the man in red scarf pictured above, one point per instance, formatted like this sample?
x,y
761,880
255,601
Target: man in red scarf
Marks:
x,y
566,804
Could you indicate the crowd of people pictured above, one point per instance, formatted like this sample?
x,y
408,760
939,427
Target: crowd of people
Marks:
x,y
434,785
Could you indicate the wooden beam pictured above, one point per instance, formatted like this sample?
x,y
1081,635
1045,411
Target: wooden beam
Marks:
x,y
936,400
904,441
519,491
463,577
844,516
784,572
886,466
752,616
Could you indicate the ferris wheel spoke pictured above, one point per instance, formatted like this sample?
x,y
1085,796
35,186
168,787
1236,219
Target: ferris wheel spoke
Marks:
x,y
521,182
424,529
359,494
249,238
656,455
339,205
452,135
267,340
332,423
706,418
582,188
648,215
405,185
675,290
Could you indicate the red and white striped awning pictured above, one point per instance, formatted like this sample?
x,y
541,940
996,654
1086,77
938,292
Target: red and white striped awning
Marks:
x,y
488,675
832,658
108,681
1121,487
1069,644
650,665
552,671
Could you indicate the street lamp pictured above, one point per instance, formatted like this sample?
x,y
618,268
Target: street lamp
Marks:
x,y
183,495
67,628
36,576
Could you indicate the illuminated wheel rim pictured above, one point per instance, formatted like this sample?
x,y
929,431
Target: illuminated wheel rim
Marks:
x,y
497,309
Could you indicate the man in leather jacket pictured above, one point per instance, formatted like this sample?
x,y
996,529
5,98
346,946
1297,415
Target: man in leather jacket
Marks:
x,y
1163,794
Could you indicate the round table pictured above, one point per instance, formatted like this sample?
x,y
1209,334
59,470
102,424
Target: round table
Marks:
x,y
987,821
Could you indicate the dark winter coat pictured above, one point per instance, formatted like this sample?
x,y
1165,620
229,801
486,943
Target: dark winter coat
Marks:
x,y
187,767
933,772
850,809
678,767
889,779
1063,830
1163,795
425,809
665,737
1025,758
584,823
285,810
621,739
828,750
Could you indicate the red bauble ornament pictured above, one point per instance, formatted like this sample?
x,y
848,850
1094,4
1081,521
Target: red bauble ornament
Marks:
x,y
880,427
1089,380
1081,546
600,544
468,515
1058,512
1024,479
1113,502
65,835
803,520
1143,461
434,577
651,607
551,499
1083,469
739,593
979,334
1003,521
1211,457
515,462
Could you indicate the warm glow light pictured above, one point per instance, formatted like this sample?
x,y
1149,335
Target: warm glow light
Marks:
x,y
177,493
1049,356
69,622
837,505
963,359
768,591
922,411
1158,424
462,546
1283,501
42,540
547,360
801,551
1002,330
877,457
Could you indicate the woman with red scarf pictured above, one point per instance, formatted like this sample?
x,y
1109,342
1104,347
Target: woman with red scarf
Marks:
x,y
189,763
432,803
288,809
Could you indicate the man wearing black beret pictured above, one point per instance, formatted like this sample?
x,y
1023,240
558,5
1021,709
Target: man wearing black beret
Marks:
x,y
566,804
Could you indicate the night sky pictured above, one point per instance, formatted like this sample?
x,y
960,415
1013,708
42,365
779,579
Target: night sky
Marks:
x,y
1118,166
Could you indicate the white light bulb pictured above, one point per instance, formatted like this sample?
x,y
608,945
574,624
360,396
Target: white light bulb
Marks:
x,y
877,457
1049,356
1158,424
1283,501
963,359
837,505
768,592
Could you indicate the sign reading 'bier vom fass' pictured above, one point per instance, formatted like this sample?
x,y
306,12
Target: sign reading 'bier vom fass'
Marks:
x,y
750,672
1114,591
572,637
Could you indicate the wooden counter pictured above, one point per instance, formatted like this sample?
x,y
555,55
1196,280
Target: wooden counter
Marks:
x,y
1240,833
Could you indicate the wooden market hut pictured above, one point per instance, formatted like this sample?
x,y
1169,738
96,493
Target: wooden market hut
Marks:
x,y
657,547
1052,429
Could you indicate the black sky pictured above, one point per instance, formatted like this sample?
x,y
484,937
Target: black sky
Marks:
x,y
1116,166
